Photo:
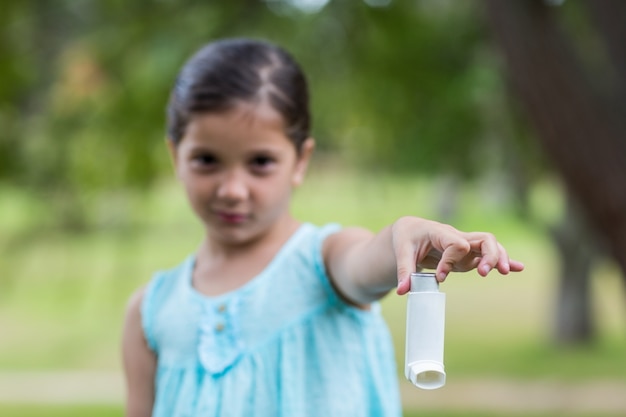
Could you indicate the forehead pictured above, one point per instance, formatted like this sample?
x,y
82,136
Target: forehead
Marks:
x,y
244,123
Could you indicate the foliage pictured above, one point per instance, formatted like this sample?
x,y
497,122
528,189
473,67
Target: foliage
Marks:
x,y
83,90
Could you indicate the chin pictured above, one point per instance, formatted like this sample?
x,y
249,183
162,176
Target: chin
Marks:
x,y
233,236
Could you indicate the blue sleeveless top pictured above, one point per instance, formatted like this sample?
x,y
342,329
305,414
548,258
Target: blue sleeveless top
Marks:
x,y
284,344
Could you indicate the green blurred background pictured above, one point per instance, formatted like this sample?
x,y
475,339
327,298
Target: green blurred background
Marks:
x,y
413,114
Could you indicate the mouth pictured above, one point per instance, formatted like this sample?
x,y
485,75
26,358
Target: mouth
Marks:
x,y
230,217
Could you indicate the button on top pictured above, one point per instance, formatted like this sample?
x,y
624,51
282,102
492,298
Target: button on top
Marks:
x,y
221,308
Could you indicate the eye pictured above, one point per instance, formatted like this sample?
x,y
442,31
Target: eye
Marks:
x,y
203,161
262,163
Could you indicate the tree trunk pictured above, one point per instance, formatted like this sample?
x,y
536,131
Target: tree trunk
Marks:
x,y
574,314
579,128
579,123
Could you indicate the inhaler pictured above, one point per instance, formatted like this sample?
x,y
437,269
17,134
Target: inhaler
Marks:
x,y
425,323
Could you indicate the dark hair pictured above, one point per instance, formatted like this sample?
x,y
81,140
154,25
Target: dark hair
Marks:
x,y
228,71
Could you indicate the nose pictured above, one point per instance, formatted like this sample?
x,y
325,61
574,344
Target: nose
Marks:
x,y
233,187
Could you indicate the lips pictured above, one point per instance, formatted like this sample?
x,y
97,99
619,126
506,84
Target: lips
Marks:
x,y
231,218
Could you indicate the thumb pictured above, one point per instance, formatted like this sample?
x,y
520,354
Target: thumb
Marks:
x,y
405,262
404,286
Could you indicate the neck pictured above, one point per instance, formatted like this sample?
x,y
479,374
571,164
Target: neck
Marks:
x,y
221,268
271,240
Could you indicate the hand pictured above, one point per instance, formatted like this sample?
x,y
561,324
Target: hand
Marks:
x,y
420,243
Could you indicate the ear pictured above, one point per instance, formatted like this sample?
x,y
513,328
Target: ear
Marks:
x,y
306,151
173,151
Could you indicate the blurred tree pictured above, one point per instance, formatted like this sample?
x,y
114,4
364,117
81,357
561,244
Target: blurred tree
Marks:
x,y
412,85
568,68
86,83
82,101
406,86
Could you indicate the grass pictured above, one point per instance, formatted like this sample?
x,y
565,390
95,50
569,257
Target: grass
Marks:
x,y
62,296
500,414
60,411
115,411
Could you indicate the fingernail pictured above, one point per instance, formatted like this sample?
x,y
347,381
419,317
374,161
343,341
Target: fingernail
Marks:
x,y
442,276
486,269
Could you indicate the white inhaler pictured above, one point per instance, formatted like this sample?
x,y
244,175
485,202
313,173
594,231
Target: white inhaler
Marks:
x,y
425,323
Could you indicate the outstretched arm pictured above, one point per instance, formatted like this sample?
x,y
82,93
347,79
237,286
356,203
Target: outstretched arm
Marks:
x,y
364,266
139,362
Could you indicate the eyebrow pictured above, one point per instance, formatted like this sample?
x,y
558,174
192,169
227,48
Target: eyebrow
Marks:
x,y
200,148
264,150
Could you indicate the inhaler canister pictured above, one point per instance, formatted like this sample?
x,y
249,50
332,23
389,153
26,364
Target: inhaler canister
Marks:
x,y
425,324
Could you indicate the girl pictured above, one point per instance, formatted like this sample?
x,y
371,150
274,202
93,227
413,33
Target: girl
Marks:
x,y
271,316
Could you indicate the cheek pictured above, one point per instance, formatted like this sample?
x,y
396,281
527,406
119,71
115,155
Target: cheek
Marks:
x,y
193,197
273,192
198,192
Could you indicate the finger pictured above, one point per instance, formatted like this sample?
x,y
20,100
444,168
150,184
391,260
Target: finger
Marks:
x,y
516,266
489,251
453,254
473,264
503,264
430,261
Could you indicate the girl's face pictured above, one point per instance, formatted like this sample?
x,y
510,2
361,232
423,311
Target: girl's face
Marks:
x,y
239,169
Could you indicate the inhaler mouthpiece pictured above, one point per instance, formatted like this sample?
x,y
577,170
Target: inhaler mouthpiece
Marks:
x,y
427,374
425,333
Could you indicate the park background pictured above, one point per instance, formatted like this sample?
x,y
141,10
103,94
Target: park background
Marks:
x,y
487,115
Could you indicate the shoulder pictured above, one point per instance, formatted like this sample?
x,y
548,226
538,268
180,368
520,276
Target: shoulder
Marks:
x,y
144,304
163,284
344,239
310,241
133,306
133,319
319,232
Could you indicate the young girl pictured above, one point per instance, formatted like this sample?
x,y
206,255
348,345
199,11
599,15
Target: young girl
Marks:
x,y
271,316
